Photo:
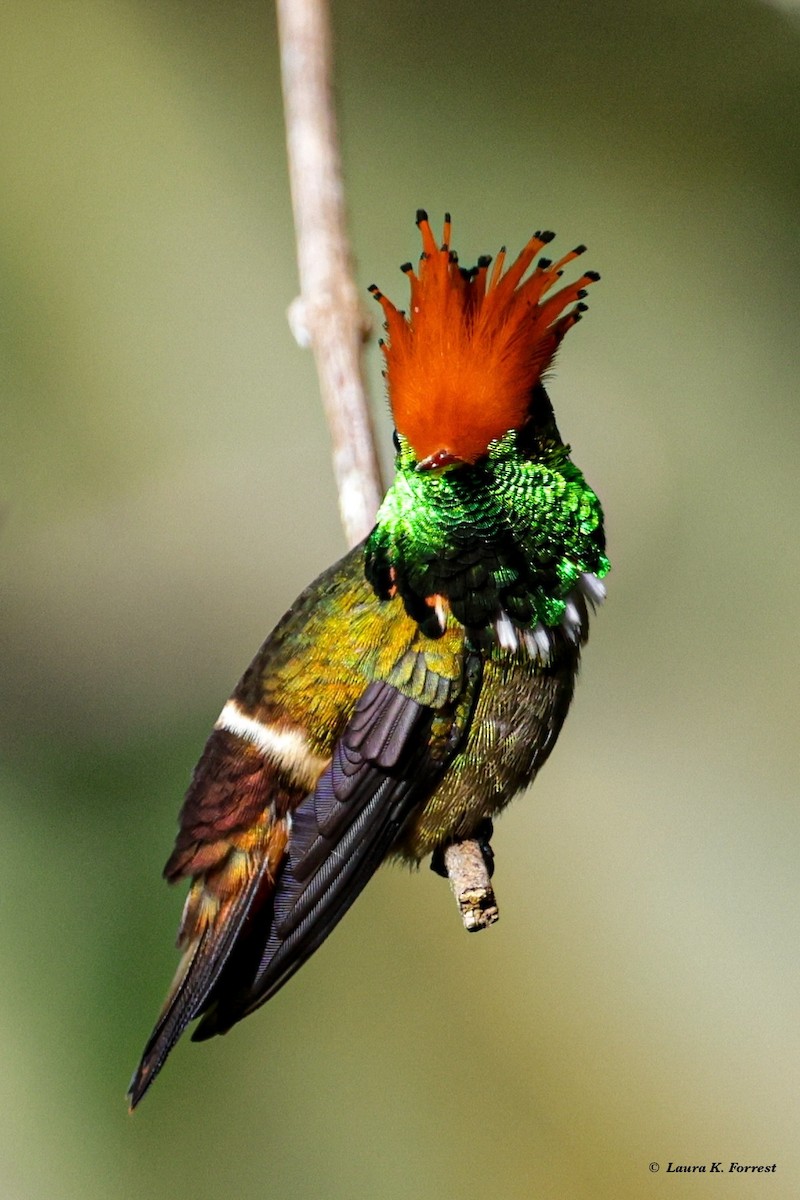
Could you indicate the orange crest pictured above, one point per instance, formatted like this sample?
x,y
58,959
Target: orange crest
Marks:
x,y
460,368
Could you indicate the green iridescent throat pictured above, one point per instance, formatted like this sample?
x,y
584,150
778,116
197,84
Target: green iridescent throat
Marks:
x,y
513,534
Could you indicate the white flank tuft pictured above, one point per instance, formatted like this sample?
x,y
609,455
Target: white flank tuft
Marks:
x,y
538,644
572,620
544,642
592,588
506,633
440,613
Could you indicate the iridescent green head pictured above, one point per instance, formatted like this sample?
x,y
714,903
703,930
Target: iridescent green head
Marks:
x,y
487,514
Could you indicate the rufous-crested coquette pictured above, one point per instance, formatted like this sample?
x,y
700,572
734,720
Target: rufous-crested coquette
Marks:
x,y
420,683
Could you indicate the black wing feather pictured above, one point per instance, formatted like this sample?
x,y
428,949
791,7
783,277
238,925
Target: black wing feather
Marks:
x,y
380,769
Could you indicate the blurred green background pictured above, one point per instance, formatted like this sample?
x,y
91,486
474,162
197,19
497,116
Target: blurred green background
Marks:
x,y
166,491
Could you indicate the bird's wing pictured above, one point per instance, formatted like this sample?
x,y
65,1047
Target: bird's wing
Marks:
x,y
276,866
339,834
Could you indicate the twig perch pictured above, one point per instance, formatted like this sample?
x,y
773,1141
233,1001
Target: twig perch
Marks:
x,y
468,872
328,317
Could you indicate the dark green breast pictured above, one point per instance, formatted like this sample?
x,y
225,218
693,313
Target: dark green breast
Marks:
x,y
511,534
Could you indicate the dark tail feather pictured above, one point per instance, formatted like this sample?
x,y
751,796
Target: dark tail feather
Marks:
x,y
180,1010
195,978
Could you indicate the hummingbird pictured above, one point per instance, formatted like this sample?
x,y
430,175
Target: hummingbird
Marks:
x,y
421,681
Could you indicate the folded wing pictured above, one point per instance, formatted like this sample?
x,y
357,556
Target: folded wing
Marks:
x,y
276,867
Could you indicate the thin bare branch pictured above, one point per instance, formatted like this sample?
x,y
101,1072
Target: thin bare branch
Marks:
x,y
468,872
328,317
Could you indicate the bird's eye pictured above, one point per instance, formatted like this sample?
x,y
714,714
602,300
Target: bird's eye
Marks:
x,y
396,440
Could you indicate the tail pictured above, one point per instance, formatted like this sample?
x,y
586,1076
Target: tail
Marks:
x,y
197,973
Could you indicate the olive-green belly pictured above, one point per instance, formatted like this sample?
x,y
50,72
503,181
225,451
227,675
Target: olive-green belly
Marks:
x,y
519,713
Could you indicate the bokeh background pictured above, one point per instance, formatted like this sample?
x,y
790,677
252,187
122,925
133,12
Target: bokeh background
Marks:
x,y
166,491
